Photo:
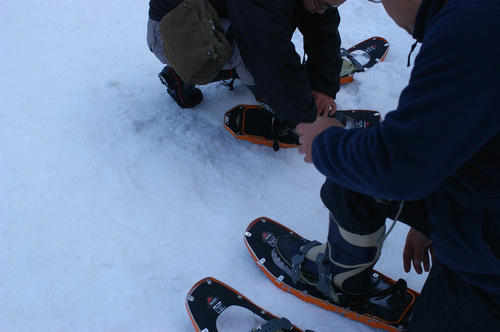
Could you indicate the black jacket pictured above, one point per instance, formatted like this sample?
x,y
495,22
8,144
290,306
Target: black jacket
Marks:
x,y
263,30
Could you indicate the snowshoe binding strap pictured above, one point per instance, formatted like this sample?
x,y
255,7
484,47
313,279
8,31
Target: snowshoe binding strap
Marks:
x,y
324,282
400,285
298,259
230,84
324,278
283,130
359,66
274,325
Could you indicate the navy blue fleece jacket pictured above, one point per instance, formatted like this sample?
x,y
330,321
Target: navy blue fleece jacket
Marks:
x,y
442,143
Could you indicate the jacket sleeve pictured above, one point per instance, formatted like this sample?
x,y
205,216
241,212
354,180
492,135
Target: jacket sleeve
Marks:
x,y
160,8
445,117
322,46
263,30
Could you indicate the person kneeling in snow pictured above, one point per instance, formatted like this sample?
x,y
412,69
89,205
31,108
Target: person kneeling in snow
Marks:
x,y
433,163
264,57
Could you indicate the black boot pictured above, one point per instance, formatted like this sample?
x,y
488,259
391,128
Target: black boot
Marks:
x,y
353,256
185,95
344,263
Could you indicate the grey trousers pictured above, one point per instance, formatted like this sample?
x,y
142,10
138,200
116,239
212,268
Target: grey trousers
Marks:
x,y
155,44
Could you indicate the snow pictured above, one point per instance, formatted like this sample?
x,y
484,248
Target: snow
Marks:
x,y
114,201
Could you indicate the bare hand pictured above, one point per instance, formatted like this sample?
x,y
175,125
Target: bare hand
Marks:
x,y
417,250
325,103
308,131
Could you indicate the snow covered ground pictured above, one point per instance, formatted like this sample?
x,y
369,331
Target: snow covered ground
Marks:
x,y
114,201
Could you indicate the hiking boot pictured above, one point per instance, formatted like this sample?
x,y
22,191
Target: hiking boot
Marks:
x,y
343,264
185,95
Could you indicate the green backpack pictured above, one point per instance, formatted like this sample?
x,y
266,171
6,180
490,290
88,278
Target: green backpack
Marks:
x,y
194,42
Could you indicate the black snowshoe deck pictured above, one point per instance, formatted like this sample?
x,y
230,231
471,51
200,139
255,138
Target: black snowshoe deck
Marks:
x,y
389,307
209,298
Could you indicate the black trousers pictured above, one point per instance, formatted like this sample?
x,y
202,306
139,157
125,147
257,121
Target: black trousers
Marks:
x,y
364,214
448,303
